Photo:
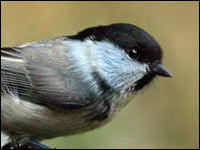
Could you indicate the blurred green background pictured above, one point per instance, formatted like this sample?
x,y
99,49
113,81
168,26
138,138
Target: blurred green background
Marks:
x,y
164,115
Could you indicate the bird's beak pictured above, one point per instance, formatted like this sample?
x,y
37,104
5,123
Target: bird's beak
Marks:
x,y
162,71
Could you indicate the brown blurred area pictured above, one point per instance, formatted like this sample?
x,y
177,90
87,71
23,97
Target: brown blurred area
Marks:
x,y
166,113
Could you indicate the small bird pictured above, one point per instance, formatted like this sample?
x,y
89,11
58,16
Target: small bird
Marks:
x,y
73,84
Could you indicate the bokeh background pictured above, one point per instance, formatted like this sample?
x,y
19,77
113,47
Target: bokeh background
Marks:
x,y
164,115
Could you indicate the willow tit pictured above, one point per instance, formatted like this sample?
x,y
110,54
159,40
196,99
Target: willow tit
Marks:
x,y
73,84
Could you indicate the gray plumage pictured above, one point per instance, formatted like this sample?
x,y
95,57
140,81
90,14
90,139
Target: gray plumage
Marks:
x,y
70,85
52,88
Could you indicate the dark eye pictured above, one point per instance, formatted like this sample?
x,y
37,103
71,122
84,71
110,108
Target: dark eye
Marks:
x,y
133,54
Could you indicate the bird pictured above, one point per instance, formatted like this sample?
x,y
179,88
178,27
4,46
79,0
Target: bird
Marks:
x,y
73,84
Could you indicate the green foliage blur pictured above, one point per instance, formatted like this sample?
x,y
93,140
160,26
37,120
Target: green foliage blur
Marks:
x,y
165,114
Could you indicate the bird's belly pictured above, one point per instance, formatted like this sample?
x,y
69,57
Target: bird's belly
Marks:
x,y
32,121
69,123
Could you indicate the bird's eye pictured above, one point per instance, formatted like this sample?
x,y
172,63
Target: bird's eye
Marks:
x,y
133,54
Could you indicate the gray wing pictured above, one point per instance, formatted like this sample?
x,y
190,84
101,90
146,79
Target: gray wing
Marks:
x,y
35,73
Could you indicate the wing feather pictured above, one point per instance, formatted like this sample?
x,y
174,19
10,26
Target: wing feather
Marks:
x,y
38,82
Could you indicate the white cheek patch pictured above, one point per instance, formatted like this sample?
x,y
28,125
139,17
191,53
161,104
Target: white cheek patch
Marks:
x,y
110,61
138,69
116,66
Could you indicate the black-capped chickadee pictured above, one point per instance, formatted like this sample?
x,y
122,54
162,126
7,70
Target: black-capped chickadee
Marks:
x,y
73,84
